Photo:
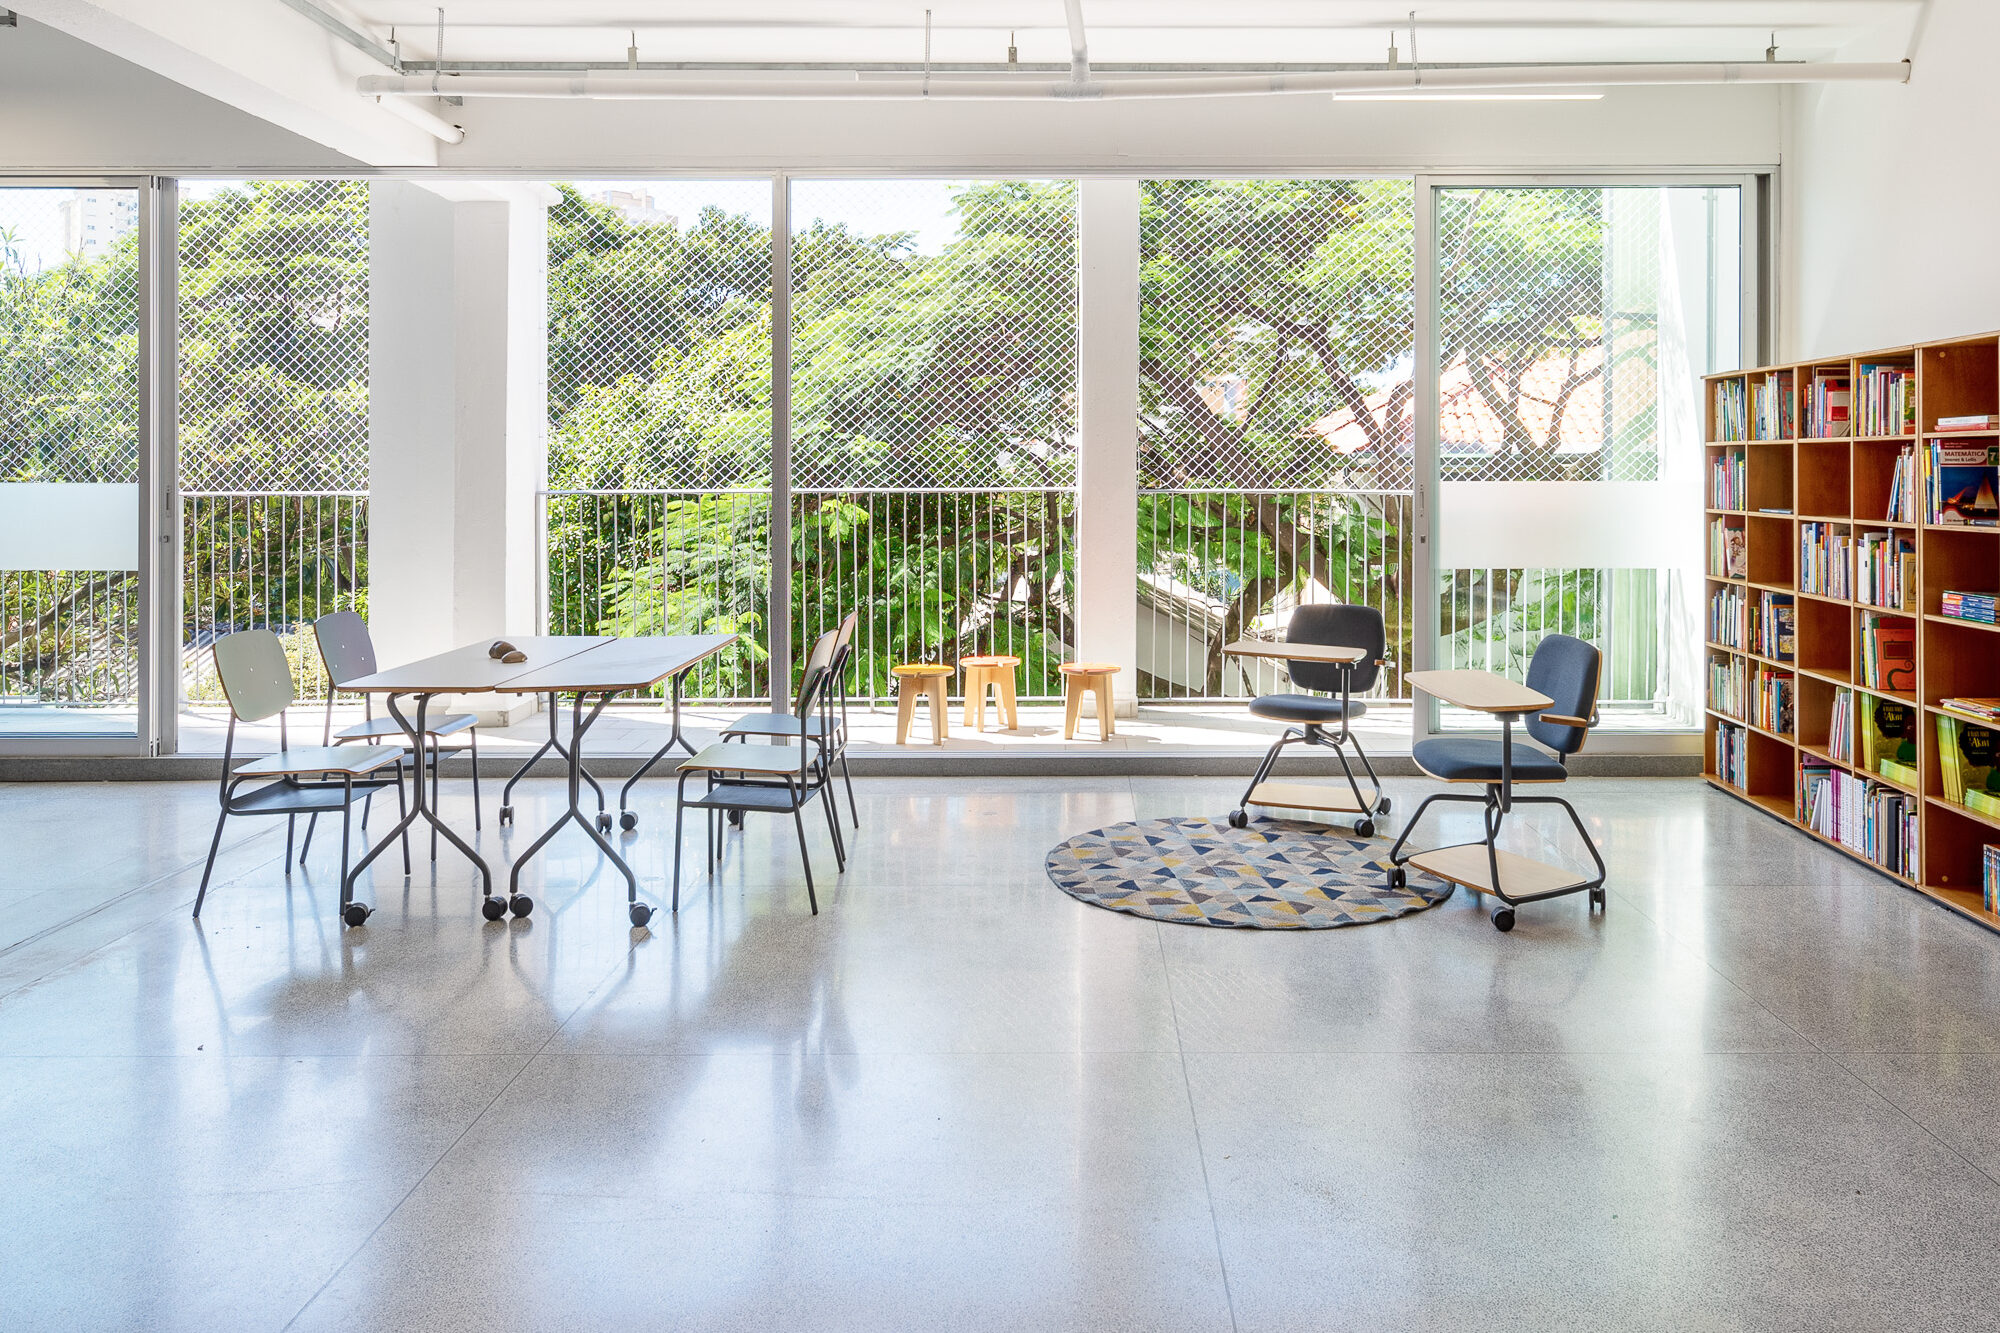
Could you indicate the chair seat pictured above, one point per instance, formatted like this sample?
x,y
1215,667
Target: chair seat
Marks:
x,y
354,760
385,727
773,797
777,724
1305,708
1477,759
730,757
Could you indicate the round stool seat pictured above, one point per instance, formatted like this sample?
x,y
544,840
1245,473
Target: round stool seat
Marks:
x,y
1089,668
919,670
997,660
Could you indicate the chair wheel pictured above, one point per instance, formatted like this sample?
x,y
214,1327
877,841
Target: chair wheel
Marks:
x,y
1364,828
628,820
356,913
520,904
506,814
1382,806
604,821
1503,919
493,908
1399,878
641,914
735,818
1239,819
1597,899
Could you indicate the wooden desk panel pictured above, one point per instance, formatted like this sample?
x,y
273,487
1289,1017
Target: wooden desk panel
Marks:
x,y
1481,691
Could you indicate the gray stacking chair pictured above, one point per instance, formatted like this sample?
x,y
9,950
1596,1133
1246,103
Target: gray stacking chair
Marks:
x,y
257,681
827,728
1566,670
1324,718
349,654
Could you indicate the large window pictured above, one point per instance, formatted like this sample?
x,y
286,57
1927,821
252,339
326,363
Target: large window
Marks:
x,y
273,417
69,462
1276,347
1572,326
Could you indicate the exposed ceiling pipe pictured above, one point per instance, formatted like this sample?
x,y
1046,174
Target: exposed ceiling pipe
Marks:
x,y
434,125
864,86
1079,49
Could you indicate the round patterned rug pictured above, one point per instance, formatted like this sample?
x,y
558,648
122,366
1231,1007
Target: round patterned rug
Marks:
x,y
1277,874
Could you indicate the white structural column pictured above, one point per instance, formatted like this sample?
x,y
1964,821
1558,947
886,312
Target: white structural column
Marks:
x,y
457,413
1107,508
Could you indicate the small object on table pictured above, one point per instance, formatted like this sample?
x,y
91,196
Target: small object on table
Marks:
x,y
993,672
502,651
1079,677
921,678
1563,676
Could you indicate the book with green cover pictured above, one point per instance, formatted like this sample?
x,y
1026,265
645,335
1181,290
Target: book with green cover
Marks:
x,y
1967,757
1889,737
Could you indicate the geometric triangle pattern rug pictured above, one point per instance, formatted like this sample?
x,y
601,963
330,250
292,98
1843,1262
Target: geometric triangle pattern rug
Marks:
x,y
1277,874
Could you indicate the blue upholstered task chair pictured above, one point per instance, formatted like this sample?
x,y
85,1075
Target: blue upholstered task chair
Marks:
x,y
1565,669
1323,718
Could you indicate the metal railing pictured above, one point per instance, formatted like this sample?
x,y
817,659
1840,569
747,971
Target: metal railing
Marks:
x,y
69,638
273,560
1495,617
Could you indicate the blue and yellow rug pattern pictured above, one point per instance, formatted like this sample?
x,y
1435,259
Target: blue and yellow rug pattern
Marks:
x,y
1277,874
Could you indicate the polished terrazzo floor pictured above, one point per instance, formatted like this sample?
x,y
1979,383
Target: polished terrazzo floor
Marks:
x,y
1761,1092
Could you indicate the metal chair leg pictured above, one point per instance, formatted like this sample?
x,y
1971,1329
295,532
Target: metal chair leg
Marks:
x,y
402,813
833,824
214,845
805,858
848,778
680,809
306,844
291,823
476,824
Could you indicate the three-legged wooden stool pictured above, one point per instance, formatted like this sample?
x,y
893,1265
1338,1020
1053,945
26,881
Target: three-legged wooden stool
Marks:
x,y
995,673
913,679
1079,677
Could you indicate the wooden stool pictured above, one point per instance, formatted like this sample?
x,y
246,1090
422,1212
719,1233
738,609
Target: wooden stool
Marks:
x,y
912,679
1081,676
982,674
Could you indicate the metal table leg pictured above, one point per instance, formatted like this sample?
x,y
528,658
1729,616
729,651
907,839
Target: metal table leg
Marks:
x,y
628,818
552,743
639,912
420,808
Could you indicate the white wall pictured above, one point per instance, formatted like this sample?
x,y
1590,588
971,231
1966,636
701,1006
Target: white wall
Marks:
x,y
67,106
1889,198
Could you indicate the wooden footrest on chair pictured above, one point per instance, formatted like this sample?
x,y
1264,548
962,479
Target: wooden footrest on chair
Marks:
x,y
1307,796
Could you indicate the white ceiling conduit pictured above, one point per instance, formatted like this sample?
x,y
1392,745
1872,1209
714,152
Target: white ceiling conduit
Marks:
x,y
846,85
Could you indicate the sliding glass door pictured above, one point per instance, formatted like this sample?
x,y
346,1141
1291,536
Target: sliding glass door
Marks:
x,y
1572,325
71,443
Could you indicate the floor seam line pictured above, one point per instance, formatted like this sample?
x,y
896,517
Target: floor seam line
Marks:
x,y
1902,1111
1194,1121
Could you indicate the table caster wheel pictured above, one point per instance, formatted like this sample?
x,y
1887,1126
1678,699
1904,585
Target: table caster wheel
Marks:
x,y
1597,899
1364,828
506,814
628,820
604,821
493,908
356,913
1398,877
1503,919
1382,806
1239,819
641,914
520,904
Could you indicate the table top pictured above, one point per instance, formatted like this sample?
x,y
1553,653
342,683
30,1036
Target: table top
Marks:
x,y
1481,691
1294,652
619,664
469,670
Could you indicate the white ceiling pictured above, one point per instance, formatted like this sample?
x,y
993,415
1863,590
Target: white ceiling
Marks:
x,y
1192,32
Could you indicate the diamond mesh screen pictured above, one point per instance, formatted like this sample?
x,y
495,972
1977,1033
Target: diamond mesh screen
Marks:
x,y
1548,315
1276,333
660,335
274,337
933,334
69,335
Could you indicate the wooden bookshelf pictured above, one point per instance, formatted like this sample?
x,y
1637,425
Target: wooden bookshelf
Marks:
x,y
1793,475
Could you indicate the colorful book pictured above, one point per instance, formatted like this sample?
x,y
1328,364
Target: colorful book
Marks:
x,y
1965,484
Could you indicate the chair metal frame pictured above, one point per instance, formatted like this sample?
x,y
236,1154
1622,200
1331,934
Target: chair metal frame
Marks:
x,y
831,732
288,793
770,791
1497,802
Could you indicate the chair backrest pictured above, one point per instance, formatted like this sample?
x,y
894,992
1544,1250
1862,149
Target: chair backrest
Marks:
x,y
256,679
1344,626
1565,669
813,681
344,646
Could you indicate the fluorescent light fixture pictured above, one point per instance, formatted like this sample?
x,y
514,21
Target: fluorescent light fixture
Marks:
x,y
1468,97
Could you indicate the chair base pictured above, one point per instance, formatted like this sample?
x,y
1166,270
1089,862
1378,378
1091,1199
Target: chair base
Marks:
x,y
1328,800
1484,868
